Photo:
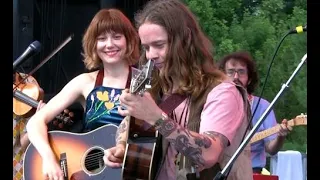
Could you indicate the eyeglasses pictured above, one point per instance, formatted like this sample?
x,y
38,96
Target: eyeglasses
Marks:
x,y
232,72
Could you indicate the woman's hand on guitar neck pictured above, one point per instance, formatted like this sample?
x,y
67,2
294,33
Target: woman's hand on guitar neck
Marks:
x,y
113,157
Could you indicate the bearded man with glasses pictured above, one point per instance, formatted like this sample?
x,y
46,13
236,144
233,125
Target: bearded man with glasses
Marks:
x,y
241,68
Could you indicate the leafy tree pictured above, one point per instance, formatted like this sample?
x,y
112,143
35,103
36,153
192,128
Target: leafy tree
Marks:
x,y
258,26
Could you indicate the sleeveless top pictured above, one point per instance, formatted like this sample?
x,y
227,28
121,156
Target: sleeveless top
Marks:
x,y
102,104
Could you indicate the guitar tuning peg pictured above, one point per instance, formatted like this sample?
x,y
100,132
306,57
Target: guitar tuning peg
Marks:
x,y
140,93
60,125
55,122
71,114
66,111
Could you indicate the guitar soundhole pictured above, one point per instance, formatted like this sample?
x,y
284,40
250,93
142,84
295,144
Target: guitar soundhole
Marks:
x,y
93,162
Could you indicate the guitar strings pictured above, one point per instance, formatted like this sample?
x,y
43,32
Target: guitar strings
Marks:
x,y
94,160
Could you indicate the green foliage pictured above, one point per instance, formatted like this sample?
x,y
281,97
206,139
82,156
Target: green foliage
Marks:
x,y
258,26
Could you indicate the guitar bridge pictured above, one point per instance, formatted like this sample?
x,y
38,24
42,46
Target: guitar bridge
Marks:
x,y
64,165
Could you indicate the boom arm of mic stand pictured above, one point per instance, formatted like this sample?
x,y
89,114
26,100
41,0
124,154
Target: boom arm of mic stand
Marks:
x,y
221,175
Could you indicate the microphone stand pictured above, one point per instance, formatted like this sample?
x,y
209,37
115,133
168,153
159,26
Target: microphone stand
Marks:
x,y
221,175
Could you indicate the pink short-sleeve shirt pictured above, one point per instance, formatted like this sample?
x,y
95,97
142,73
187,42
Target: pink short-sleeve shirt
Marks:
x,y
222,113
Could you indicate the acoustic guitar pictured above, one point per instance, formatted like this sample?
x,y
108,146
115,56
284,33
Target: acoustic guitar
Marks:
x,y
142,144
80,155
297,121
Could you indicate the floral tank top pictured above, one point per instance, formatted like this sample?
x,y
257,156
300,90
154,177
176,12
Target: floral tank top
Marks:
x,y
102,104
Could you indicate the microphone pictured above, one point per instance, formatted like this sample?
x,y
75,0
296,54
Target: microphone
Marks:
x,y
298,30
32,49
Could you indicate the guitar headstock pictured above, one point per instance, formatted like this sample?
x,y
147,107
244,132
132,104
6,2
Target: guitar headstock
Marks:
x,y
65,118
300,120
141,79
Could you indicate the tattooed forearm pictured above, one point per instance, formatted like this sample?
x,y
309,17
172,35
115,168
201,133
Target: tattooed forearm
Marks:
x,y
121,135
166,127
224,142
188,143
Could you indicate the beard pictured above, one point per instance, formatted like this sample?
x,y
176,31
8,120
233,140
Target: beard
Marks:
x,y
238,82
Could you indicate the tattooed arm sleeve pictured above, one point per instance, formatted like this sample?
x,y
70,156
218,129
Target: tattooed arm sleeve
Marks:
x,y
220,118
193,145
122,132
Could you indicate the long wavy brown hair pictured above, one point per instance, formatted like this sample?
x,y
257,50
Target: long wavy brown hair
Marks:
x,y
109,20
189,56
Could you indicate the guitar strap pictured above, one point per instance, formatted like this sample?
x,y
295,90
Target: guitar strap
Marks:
x,y
167,106
171,103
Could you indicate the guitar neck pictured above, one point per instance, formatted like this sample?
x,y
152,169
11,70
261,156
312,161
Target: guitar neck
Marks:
x,y
24,98
268,132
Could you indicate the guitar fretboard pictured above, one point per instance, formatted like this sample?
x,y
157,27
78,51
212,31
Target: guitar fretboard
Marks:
x,y
266,133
